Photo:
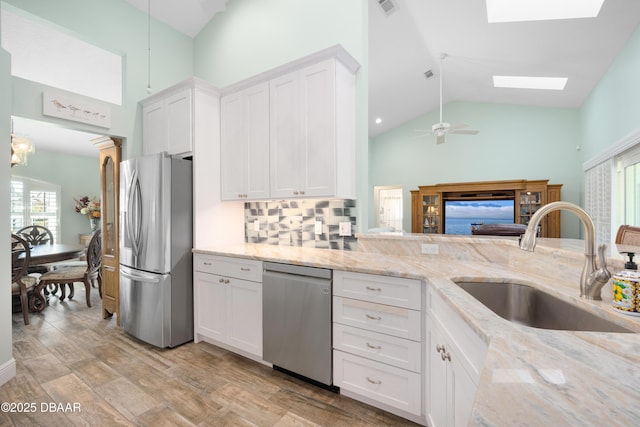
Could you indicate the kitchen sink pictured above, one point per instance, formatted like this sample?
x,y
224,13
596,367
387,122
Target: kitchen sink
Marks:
x,y
532,307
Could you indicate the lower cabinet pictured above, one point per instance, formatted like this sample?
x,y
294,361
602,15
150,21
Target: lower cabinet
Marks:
x,y
454,356
377,332
228,302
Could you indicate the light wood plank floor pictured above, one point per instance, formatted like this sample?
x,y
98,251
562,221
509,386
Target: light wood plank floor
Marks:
x,y
72,358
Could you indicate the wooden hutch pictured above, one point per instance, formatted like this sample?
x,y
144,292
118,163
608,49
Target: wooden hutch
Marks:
x,y
427,203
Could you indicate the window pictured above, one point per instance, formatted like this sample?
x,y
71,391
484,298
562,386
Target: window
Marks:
x,y
35,203
628,187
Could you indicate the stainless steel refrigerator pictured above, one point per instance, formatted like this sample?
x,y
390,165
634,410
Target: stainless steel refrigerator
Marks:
x,y
156,286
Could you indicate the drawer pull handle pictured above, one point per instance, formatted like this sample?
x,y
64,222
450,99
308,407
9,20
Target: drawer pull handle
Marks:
x,y
373,317
377,382
206,263
440,348
109,268
245,269
445,356
374,347
369,288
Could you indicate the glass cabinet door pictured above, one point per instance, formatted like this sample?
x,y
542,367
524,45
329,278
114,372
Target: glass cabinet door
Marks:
x,y
109,213
430,213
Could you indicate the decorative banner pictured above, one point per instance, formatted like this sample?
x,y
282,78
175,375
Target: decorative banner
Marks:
x,y
75,108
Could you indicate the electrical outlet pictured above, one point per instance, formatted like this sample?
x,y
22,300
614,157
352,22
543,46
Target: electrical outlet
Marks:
x,y
430,248
318,227
345,229
256,225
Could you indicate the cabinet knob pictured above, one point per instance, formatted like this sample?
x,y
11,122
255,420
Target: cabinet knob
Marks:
x,y
302,193
221,280
445,356
440,348
226,281
295,193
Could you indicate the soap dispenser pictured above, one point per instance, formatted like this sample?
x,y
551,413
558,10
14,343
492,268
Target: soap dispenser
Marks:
x,y
626,288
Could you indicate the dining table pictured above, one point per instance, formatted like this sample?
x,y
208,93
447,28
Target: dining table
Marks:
x,y
46,254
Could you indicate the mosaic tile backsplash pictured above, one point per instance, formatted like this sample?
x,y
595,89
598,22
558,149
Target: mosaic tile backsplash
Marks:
x,y
292,223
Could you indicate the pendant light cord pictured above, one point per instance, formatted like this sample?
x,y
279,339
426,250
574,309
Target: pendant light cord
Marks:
x,y
149,46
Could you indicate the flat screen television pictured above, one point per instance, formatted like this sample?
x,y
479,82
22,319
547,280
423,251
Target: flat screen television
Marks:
x,y
459,215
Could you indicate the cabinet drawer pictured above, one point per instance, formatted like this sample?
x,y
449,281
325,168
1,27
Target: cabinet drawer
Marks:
x,y
387,384
396,321
394,351
375,288
239,268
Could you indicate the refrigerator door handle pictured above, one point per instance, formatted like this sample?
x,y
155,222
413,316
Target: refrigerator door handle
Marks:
x,y
134,212
139,276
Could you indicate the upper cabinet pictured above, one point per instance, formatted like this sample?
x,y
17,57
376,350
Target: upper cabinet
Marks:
x,y
244,149
308,149
168,118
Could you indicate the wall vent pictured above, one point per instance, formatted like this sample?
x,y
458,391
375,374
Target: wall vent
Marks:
x,y
388,6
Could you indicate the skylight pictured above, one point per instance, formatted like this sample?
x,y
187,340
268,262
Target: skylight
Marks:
x,y
521,82
44,54
540,10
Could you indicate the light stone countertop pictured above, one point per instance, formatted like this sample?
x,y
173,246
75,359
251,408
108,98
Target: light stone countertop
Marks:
x,y
531,377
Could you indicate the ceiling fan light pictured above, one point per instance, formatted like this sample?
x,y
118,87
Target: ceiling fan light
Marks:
x,y
541,10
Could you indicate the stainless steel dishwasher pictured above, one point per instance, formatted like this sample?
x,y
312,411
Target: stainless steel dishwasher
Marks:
x,y
296,313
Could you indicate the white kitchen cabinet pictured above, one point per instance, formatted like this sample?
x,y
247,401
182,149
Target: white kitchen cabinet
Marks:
x,y
228,303
312,132
168,118
377,341
244,134
454,358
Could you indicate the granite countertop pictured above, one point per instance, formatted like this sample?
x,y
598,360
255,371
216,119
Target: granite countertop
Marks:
x,y
531,377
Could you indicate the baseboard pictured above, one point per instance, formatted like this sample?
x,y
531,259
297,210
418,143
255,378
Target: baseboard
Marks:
x,y
7,371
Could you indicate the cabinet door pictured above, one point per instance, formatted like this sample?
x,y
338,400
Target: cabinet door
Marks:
x,y
462,391
245,144
318,129
210,310
244,315
179,122
436,378
154,128
285,146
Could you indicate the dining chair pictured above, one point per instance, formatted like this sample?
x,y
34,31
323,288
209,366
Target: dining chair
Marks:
x,y
37,235
22,284
88,274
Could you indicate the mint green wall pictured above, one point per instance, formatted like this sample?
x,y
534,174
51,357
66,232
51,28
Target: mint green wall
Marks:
x,y
5,260
252,36
117,26
76,175
514,142
613,108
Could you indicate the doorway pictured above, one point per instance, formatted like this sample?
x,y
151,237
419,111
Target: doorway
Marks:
x,y
388,206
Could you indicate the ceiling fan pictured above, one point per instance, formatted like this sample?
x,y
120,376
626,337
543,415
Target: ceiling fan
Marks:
x,y
442,128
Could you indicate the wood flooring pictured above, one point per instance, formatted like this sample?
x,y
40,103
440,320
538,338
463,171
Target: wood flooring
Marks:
x,y
75,368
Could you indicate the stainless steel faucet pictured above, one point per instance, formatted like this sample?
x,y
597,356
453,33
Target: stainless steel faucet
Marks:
x,y
592,279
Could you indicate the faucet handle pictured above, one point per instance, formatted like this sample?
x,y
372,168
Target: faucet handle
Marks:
x,y
601,257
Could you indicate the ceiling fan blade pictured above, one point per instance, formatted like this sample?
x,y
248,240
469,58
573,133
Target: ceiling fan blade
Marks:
x,y
464,132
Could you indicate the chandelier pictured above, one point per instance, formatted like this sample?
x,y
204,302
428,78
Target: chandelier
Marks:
x,y
20,147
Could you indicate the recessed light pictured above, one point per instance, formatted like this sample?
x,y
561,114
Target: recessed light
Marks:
x,y
540,10
521,82
378,120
